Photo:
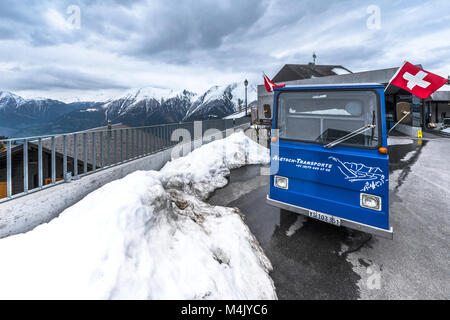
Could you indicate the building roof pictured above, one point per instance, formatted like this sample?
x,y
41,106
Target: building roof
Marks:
x,y
443,94
292,72
336,85
373,76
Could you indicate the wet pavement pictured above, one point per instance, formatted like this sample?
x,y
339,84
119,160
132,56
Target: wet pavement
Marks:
x,y
314,260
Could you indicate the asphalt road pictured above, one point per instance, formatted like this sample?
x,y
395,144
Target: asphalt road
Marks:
x,y
314,260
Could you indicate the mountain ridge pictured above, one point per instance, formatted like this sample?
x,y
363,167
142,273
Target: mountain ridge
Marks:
x,y
136,107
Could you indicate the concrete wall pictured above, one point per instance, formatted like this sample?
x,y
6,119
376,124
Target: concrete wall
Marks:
x,y
408,129
25,213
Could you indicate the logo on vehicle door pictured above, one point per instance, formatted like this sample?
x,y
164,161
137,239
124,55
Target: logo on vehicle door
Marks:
x,y
305,164
373,176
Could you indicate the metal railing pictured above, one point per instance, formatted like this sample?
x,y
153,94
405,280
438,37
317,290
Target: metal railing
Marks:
x,y
33,163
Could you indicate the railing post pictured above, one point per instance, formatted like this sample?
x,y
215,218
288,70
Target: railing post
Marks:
x,y
108,163
53,161
132,143
167,141
142,141
85,153
121,145
158,135
151,139
115,147
128,139
101,150
75,156
145,141
25,166
165,136
94,156
109,142
8,170
64,157
147,134
155,139
40,173
136,132
138,146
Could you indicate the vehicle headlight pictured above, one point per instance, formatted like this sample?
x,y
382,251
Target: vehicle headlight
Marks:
x,y
281,182
370,201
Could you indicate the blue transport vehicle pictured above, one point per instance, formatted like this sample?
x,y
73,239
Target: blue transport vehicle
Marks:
x,y
329,156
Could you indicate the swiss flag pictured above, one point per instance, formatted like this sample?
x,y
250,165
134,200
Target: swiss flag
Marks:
x,y
419,82
270,85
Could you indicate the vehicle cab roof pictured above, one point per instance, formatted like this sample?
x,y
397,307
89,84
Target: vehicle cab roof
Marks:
x,y
331,86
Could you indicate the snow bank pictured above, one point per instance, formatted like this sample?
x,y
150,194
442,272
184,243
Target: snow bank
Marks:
x,y
205,169
146,236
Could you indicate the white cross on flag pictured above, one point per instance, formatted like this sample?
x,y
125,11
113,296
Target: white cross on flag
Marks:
x,y
419,82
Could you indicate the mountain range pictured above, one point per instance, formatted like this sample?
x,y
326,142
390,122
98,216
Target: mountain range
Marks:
x,y
136,107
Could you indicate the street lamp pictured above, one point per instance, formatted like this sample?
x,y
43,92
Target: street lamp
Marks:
x,y
245,84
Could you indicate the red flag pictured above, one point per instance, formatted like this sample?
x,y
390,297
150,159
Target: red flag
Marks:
x,y
419,82
270,85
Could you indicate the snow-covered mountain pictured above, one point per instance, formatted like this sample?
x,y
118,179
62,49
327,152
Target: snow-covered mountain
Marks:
x,y
144,106
9,100
17,113
35,109
220,101
150,106
136,107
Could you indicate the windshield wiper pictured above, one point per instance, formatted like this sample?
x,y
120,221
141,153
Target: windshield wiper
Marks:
x,y
350,135
405,114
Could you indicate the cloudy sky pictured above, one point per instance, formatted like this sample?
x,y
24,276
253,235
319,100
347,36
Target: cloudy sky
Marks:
x,y
88,49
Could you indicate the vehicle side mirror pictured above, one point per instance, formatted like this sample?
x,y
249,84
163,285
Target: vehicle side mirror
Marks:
x,y
267,111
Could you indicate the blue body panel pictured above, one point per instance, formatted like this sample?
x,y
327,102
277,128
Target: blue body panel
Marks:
x,y
332,180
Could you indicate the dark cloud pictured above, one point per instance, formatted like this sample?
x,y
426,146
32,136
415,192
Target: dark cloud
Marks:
x,y
48,77
222,36
147,27
182,26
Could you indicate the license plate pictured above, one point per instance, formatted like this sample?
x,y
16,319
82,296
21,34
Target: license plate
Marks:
x,y
324,217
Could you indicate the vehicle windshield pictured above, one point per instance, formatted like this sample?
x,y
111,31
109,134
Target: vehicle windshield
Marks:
x,y
325,116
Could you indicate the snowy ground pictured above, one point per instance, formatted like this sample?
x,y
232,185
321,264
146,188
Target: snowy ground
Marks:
x,y
414,265
237,115
147,236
